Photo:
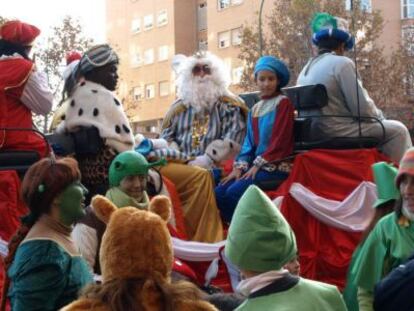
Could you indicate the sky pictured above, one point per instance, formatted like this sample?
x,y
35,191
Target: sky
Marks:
x,y
47,13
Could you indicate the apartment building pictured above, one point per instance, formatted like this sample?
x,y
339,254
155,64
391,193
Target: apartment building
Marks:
x,y
148,33
399,22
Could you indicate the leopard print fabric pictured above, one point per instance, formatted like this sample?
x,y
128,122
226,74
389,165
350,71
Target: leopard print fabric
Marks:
x,y
94,170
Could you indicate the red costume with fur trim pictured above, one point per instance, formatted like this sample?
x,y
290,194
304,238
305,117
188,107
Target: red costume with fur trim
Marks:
x,y
14,73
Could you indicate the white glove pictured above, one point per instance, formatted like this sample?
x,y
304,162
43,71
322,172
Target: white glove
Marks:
x,y
138,139
203,161
159,143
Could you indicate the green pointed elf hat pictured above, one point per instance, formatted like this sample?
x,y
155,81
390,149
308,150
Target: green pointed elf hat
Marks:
x,y
384,177
259,239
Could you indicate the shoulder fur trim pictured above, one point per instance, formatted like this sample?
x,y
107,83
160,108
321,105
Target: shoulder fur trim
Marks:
x,y
177,108
236,101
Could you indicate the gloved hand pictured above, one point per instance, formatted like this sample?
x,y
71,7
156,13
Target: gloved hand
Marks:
x,y
159,143
203,161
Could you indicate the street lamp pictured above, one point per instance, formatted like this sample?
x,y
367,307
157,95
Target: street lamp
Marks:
x,y
260,28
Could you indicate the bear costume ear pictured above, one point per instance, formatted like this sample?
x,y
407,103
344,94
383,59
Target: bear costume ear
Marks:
x,y
103,207
161,205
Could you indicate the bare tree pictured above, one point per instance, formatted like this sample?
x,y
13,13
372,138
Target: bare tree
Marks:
x,y
288,36
50,57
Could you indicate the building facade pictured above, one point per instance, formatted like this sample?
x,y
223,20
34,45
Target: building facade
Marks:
x,y
148,33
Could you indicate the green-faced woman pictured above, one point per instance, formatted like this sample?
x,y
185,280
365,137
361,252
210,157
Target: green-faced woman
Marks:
x,y
44,268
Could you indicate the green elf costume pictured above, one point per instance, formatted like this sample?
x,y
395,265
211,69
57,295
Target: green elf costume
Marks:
x,y
89,230
388,245
384,177
261,242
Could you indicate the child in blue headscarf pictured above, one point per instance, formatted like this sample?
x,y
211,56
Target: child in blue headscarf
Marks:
x,y
269,137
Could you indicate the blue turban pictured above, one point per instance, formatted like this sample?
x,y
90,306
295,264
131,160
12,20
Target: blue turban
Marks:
x,y
275,65
325,26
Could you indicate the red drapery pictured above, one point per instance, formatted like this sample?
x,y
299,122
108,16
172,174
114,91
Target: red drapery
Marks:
x,y
11,209
325,252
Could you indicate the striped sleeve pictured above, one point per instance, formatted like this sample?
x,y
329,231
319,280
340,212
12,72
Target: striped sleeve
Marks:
x,y
233,124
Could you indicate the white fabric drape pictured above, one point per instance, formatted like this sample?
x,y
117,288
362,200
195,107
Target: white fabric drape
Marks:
x,y
352,214
4,250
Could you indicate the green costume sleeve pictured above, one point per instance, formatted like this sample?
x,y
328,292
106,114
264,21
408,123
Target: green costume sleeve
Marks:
x,y
365,300
369,265
38,288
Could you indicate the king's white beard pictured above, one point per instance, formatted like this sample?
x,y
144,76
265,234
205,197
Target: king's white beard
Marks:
x,y
201,93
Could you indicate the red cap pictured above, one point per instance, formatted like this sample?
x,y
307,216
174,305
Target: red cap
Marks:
x,y
184,269
19,33
406,166
72,56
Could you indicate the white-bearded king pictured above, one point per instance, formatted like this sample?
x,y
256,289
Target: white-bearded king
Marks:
x,y
203,127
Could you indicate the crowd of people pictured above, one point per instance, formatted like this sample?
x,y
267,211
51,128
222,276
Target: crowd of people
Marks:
x,y
115,252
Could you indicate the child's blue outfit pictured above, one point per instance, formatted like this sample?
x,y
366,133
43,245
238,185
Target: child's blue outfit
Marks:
x,y
269,137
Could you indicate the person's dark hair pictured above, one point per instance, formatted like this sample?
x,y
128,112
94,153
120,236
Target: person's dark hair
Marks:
x,y
8,48
329,44
128,294
41,184
380,211
226,302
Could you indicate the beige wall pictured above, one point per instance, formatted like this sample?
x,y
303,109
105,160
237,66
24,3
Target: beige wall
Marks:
x,y
228,19
391,12
178,34
186,26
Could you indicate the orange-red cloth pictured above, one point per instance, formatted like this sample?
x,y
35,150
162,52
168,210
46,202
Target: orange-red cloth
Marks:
x,y
14,73
19,33
11,209
179,231
324,251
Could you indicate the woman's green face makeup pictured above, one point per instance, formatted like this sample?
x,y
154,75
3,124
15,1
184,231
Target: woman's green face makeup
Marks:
x,y
72,203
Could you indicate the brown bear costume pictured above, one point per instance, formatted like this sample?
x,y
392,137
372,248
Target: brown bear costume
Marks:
x,y
136,260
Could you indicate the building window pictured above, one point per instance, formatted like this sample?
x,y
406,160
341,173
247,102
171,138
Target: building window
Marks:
x,y
148,22
365,5
138,93
408,38
164,88
136,60
407,8
149,91
236,36
224,39
162,18
163,53
223,4
149,56
237,74
136,25
202,16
